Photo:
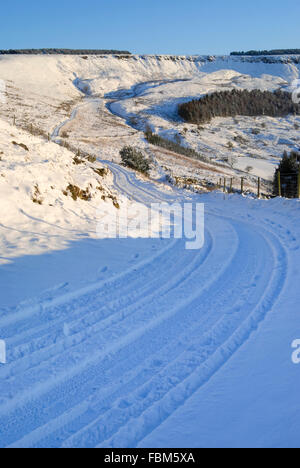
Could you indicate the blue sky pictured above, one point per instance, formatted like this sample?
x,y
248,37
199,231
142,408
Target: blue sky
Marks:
x,y
153,26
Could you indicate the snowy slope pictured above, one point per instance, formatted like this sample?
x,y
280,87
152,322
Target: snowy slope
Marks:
x,y
155,105
47,90
139,342
252,398
38,213
128,361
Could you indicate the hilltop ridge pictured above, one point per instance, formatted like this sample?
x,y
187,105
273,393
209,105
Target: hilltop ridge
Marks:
x,y
63,52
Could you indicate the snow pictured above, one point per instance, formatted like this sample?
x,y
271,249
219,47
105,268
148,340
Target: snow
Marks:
x,y
253,400
77,96
31,232
179,339
139,342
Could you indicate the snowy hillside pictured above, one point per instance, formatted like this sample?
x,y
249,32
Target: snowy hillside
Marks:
x,y
38,212
192,352
92,100
138,341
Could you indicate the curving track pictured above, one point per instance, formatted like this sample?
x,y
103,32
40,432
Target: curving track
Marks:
x,y
109,364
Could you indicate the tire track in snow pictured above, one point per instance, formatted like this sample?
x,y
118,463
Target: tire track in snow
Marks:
x,y
230,294
208,339
118,343
139,427
91,322
127,183
78,305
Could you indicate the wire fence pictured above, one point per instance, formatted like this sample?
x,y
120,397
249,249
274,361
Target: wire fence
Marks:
x,y
288,185
285,185
243,186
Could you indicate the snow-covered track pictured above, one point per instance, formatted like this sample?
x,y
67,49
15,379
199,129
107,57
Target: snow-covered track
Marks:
x,y
140,346
129,185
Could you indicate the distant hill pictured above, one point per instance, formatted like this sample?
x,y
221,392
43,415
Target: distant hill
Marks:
x,y
269,52
63,52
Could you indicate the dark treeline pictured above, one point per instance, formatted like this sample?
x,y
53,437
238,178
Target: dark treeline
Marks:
x,y
289,172
269,52
238,102
172,146
63,52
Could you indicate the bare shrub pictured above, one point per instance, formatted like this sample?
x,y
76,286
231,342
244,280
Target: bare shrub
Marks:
x,y
37,197
21,145
76,193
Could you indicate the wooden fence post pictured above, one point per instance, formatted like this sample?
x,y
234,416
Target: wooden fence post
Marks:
x,y
224,188
258,188
279,184
299,183
231,185
242,185
14,120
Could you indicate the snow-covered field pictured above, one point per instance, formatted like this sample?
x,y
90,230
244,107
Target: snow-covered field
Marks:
x,y
139,342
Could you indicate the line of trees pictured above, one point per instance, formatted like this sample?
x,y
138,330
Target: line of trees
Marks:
x,y
63,52
289,175
170,145
269,52
238,102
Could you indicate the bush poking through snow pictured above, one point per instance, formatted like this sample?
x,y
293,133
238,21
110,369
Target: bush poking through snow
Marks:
x,y
90,158
21,145
135,159
77,161
36,131
37,198
241,140
116,203
76,193
102,172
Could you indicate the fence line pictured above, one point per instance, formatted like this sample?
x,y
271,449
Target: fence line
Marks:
x,y
288,184
228,185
